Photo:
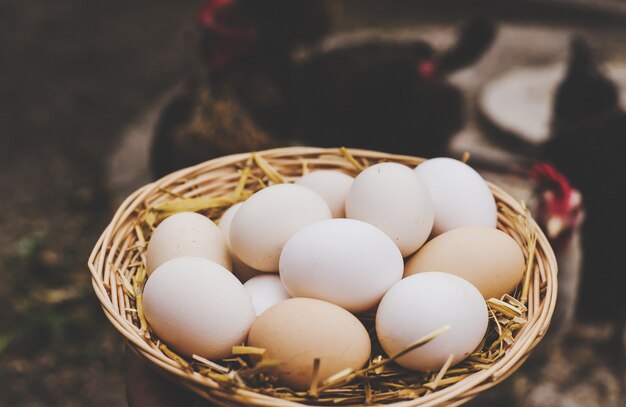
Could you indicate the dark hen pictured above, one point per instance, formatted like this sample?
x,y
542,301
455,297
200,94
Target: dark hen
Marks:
x,y
386,96
246,47
588,145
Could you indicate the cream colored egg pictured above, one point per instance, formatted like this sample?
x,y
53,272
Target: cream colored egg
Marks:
x,y
186,234
344,261
460,195
197,307
298,330
421,304
265,222
488,258
393,198
240,269
333,186
265,290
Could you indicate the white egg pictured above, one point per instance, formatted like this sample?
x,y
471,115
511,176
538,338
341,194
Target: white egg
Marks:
x,y
460,195
393,198
343,261
186,234
197,307
333,186
226,220
240,269
265,222
265,291
423,303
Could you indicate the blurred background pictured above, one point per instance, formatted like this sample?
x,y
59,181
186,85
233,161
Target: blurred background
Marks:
x,y
99,98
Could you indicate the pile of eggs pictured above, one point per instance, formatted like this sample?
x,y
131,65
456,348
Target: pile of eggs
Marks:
x,y
418,247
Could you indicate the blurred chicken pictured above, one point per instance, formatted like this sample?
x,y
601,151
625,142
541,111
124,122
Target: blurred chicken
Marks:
x,y
588,145
559,212
246,47
388,96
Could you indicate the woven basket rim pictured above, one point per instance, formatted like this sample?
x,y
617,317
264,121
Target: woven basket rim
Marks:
x,y
456,394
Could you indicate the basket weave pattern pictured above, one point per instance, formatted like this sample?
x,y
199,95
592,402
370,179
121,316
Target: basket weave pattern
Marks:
x,y
118,253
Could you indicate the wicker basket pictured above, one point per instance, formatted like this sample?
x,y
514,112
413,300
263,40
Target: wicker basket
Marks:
x,y
119,253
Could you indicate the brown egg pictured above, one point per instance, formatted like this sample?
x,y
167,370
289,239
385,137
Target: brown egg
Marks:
x,y
298,330
488,258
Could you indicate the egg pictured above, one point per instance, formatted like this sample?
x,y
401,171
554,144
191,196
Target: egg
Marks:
x,y
420,304
393,198
265,291
333,186
298,330
226,220
240,269
264,223
460,195
198,307
347,262
488,258
186,234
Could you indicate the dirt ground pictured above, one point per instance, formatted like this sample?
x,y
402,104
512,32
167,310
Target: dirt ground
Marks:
x,y
73,75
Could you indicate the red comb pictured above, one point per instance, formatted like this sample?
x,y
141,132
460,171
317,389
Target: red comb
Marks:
x,y
426,68
547,176
229,40
206,16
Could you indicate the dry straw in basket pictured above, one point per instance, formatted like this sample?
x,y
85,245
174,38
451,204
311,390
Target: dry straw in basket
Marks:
x,y
117,263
